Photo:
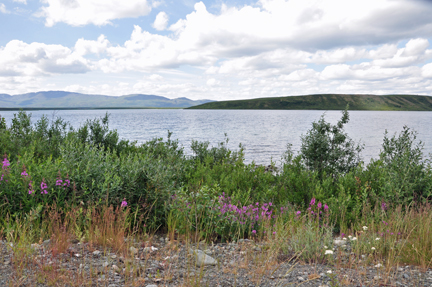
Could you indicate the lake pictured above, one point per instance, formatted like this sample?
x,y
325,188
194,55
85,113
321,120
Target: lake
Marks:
x,y
264,133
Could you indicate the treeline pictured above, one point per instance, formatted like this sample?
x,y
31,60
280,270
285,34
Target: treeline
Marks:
x,y
51,162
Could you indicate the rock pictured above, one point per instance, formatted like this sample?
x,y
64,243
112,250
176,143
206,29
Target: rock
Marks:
x,y
47,242
301,279
35,246
201,258
405,276
105,264
151,249
96,253
152,285
115,268
339,242
133,250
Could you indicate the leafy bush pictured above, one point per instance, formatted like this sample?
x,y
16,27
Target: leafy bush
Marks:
x,y
212,215
402,158
327,150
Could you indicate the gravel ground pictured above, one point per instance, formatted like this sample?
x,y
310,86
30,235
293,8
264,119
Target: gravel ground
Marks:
x,y
164,263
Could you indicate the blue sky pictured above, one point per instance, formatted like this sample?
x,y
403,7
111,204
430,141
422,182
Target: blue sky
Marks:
x,y
216,49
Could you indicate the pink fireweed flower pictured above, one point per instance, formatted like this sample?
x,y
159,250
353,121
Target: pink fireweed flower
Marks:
x,y
326,207
254,231
24,173
31,190
44,186
312,203
6,163
298,213
319,205
123,203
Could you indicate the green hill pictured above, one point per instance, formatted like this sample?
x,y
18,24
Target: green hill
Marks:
x,y
328,102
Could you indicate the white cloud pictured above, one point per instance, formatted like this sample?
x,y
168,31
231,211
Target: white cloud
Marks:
x,y
84,12
21,59
272,48
161,21
84,47
427,70
415,52
21,1
212,82
3,9
156,77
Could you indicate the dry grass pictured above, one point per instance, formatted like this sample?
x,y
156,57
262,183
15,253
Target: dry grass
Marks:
x,y
407,242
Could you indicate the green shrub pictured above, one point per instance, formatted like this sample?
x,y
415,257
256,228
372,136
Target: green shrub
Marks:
x,y
326,149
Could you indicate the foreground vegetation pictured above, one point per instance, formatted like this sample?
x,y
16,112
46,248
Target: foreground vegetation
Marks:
x,y
85,184
328,102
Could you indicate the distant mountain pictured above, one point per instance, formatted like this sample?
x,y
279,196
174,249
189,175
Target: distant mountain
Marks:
x,y
328,102
62,99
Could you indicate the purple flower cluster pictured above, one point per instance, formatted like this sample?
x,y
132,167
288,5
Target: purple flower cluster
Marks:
x,y
31,189
5,167
6,163
250,214
44,187
316,210
123,203
62,183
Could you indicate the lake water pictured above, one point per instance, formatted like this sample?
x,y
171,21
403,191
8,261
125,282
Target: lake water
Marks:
x,y
264,133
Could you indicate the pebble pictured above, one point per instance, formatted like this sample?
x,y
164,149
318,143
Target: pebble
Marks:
x,y
133,250
238,271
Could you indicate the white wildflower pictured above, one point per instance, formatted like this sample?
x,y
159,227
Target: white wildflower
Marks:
x,y
344,238
373,248
354,238
376,239
349,236
325,247
328,252
365,228
329,272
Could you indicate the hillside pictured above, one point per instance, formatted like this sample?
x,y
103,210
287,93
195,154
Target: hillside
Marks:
x,y
61,100
329,102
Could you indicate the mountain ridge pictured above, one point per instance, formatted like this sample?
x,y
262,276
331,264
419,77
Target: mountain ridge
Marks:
x,y
64,99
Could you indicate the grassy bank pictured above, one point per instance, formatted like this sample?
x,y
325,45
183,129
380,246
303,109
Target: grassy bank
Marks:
x,y
64,183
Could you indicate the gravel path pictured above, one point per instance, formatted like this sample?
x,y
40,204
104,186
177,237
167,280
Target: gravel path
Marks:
x,y
164,263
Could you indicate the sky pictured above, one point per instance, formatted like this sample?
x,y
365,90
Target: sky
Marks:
x,y
215,49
